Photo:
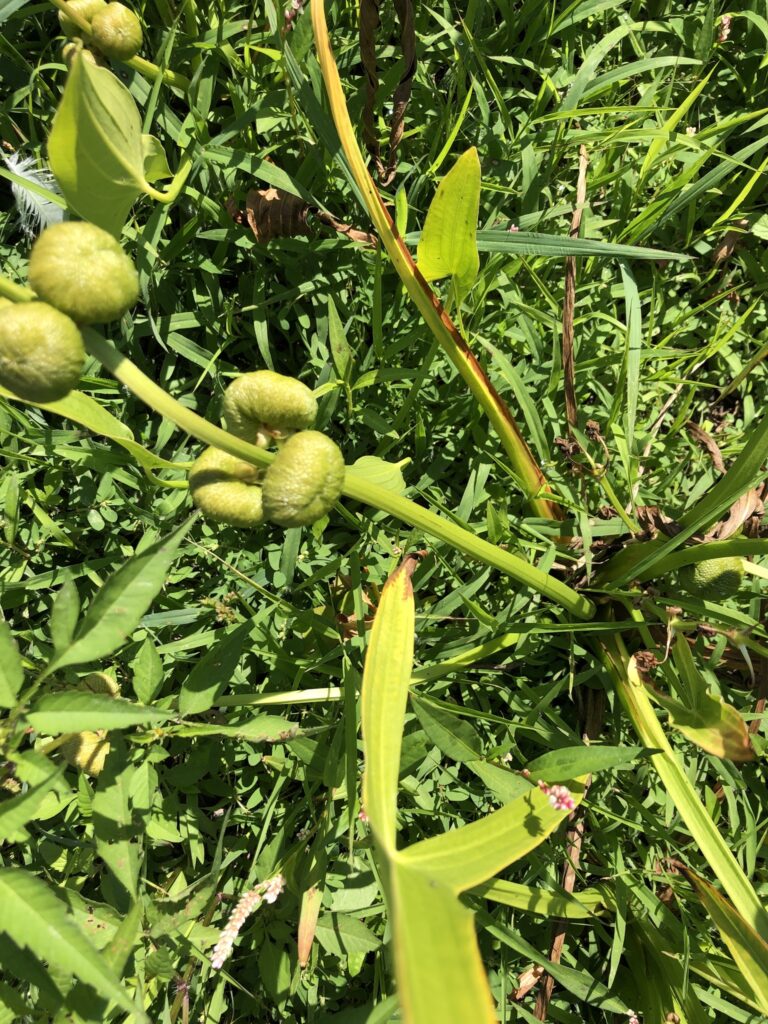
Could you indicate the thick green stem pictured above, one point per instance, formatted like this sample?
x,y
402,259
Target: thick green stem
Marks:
x,y
355,487
15,292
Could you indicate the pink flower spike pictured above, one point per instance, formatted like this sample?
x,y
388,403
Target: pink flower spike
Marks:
x,y
272,888
265,892
560,797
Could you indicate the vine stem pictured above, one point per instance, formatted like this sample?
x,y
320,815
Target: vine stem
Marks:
x,y
15,292
355,486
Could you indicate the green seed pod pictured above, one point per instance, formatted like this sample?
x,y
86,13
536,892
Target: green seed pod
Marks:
x,y
41,352
116,31
81,270
4,302
714,578
226,489
87,9
264,399
305,479
70,50
86,751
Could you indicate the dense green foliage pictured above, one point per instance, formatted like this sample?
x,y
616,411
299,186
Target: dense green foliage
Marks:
x,y
244,759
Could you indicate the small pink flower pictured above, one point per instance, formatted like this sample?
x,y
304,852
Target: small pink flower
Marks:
x,y
362,816
559,796
513,228
633,1018
725,28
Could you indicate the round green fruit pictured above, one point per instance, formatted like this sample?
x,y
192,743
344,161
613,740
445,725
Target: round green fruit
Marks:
x,y
263,400
82,271
713,578
226,489
304,480
41,352
87,9
116,31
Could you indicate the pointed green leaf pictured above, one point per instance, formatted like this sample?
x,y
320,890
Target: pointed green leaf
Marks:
x,y
374,470
35,919
75,711
121,603
473,853
447,246
64,614
341,353
568,762
95,146
113,824
453,736
386,679
212,672
534,900
155,161
11,670
41,776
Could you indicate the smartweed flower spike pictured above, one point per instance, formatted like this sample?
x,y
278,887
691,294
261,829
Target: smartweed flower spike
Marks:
x,y
560,797
36,213
266,892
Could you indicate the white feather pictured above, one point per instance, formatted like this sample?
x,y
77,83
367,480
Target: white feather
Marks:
x,y
36,213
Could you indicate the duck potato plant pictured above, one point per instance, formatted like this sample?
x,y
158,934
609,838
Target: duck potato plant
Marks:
x,y
382,412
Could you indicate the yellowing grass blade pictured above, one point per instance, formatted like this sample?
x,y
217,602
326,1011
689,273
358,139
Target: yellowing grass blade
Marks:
x,y
473,853
440,974
748,950
386,679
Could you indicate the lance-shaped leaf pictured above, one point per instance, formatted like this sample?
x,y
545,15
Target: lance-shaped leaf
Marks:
x,y
448,246
96,148
748,949
36,920
473,853
386,679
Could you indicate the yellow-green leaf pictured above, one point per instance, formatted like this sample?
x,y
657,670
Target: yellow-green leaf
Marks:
x,y
439,972
448,244
386,679
473,853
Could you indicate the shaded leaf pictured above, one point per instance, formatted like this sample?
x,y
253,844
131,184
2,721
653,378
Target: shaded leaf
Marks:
x,y
341,934
11,669
212,672
77,711
453,736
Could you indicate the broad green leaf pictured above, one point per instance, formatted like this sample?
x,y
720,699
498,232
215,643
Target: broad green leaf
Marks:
x,y
748,949
453,736
568,762
147,672
386,679
447,246
121,603
81,1007
113,825
341,353
533,900
35,919
262,729
374,470
440,975
469,855
77,711
704,718
95,147
11,669
64,615
41,776
155,160
505,785
341,934
212,672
